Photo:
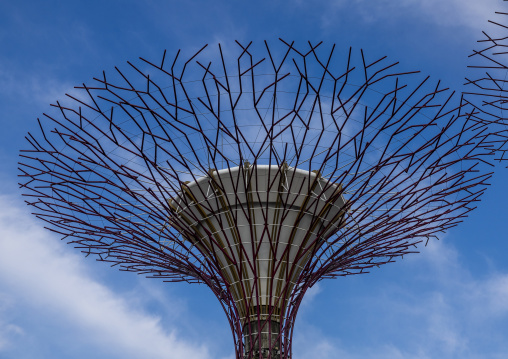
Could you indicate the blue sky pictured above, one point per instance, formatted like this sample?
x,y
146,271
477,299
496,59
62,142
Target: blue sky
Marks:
x,y
449,301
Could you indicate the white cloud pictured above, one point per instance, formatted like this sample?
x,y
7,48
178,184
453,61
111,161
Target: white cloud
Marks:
x,y
471,13
466,13
32,87
442,311
8,332
311,294
40,275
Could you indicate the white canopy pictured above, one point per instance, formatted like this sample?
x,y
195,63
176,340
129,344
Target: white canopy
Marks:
x,y
260,225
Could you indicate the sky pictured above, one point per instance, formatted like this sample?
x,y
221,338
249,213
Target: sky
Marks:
x,y
449,301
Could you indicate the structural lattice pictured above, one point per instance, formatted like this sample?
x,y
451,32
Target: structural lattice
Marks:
x,y
258,171
485,85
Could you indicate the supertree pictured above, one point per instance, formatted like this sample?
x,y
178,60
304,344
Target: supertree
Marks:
x,y
257,171
486,84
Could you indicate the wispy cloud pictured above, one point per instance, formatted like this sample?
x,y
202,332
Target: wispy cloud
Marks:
x,y
32,88
446,312
44,279
466,13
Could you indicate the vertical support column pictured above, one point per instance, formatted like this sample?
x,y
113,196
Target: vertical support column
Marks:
x,y
264,343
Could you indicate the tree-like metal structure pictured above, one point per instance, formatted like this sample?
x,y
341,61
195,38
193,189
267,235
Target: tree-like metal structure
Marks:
x,y
486,85
257,171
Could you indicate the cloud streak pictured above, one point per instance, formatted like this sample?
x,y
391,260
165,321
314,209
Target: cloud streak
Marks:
x,y
41,276
466,13
441,311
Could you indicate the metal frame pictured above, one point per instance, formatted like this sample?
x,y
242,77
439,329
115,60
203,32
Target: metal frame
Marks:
x,y
487,79
406,155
